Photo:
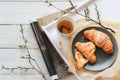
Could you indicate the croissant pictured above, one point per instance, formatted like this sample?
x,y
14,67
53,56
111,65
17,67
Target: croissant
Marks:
x,y
101,40
87,49
80,61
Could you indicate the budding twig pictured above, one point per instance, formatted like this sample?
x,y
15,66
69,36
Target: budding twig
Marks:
x,y
89,18
50,4
15,68
28,56
87,12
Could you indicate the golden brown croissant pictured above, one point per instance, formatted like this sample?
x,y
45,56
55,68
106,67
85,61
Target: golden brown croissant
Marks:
x,y
101,40
80,61
87,49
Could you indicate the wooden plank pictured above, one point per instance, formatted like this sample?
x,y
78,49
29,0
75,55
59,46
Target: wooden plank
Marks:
x,y
24,12
34,0
10,36
11,58
20,77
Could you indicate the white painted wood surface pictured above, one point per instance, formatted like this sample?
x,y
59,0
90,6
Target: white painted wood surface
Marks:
x,y
20,77
15,60
11,36
11,58
35,0
15,12
24,12
12,14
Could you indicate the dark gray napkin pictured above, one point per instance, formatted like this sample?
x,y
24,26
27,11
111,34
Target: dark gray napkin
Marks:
x,y
54,62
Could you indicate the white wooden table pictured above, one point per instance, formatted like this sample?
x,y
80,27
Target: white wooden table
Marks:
x,y
15,12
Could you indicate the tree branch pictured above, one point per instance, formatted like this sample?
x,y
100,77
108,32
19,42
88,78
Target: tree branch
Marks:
x,y
88,17
50,4
29,56
15,68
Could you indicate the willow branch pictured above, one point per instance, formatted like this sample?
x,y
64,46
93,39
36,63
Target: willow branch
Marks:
x,y
72,5
88,17
15,68
86,11
97,13
50,4
29,56
85,16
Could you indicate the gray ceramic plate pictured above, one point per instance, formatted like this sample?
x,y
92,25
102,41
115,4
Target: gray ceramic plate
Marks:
x,y
103,60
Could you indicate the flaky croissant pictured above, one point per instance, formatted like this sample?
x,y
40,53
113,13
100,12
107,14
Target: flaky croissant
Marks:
x,y
80,61
87,49
101,40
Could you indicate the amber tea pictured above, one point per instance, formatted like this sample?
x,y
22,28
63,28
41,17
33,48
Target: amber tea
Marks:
x,y
65,27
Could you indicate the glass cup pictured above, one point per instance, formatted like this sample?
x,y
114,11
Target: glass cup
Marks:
x,y
66,26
